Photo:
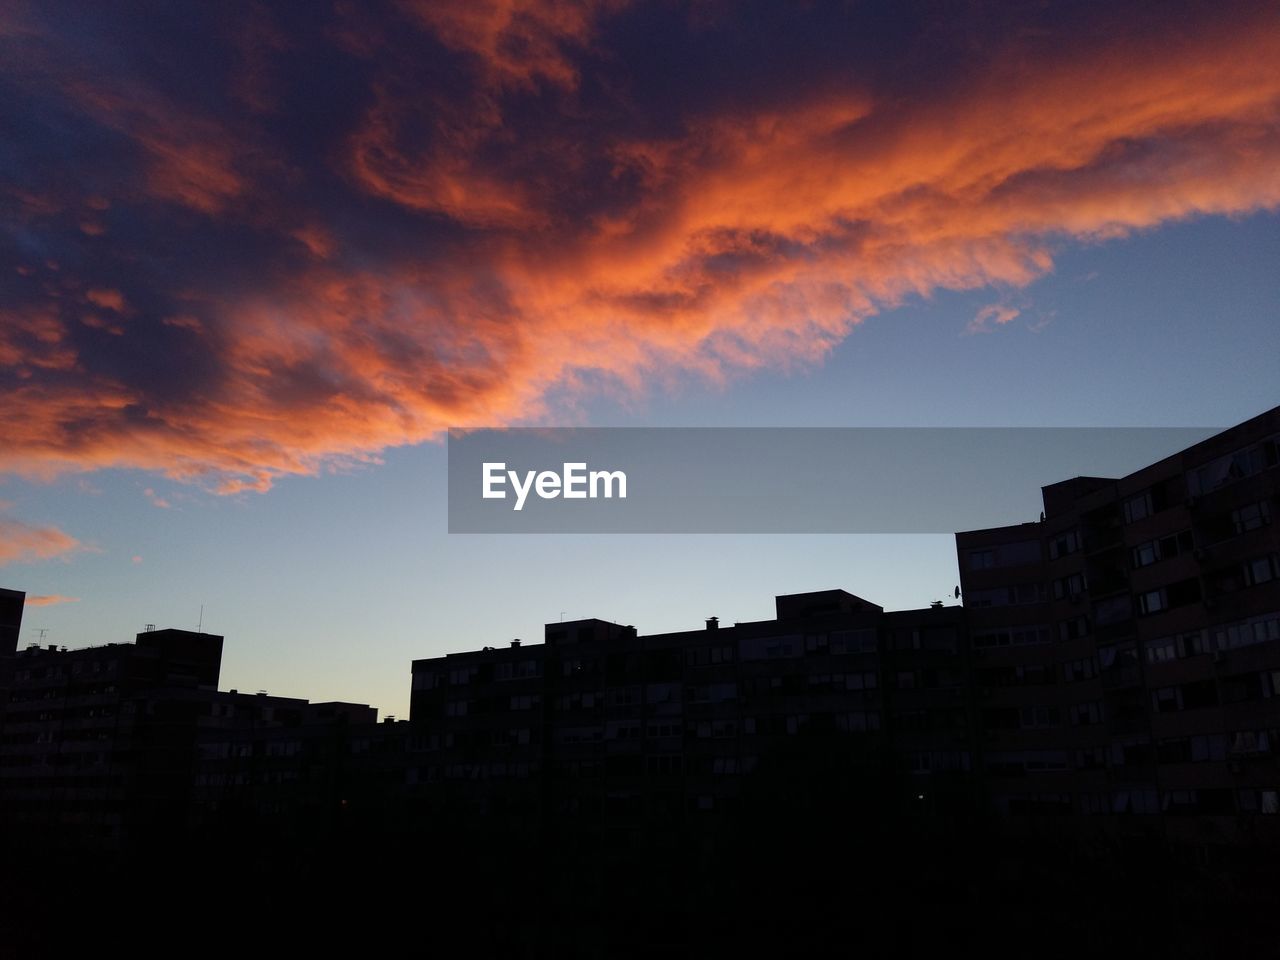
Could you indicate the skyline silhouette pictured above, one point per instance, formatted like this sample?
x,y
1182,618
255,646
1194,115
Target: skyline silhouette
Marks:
x,y
262,265
1103,711
261,245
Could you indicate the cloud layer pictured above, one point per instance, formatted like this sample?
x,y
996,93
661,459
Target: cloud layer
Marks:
x,y
49,600
23,543
243,243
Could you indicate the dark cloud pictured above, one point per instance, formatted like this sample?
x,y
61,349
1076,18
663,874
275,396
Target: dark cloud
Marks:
x,y
241,241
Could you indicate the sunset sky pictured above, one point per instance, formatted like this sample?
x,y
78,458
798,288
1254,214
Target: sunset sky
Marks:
x,y
255,259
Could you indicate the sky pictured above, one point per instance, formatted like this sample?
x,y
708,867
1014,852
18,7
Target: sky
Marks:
x,y
256,259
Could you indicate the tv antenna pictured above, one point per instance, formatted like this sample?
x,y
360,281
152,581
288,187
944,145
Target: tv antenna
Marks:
x,y
200,625
41,632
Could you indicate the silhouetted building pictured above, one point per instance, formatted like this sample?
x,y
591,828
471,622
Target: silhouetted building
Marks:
x,y
11,605
626,736
99,743
1126,647
279,768
1114,670
129,744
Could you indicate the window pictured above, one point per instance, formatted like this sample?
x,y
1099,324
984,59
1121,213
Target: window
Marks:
x,y
1146,554
1261,570
1064,544
1166,700
702,656
1074,629
1136,508
1069,587
622,696
1164,548
1232,467
1016,554
1091,758
1153,601
1006,596
858,721
853,641
1135,801
1113,610
1246,633
624,730
711,693
1012,637
860,681
516,670
1035,717
1251,517
1075,670
1082,714
1251,743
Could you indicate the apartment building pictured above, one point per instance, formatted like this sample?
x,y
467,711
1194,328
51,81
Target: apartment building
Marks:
x,y
1125,645
127,744
97,742
12,603
629,736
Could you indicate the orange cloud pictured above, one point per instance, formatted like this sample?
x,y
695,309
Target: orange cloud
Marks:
x,y
21,543
996,313
156,499
516,42
48,600
107,299
496,215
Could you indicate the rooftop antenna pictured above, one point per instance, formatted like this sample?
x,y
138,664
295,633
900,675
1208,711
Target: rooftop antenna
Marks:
x,y
562,613
41,631
200,625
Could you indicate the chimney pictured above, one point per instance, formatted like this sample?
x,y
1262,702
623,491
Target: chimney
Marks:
x,y
713,623
515,643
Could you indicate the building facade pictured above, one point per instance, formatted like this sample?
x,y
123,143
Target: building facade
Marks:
x,y
1126,646
625,735
129,745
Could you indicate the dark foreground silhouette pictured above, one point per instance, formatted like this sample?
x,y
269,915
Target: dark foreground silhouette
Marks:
x,y
821,856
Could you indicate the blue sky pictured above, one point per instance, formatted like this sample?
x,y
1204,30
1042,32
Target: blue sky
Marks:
x,y
327,586
254,261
